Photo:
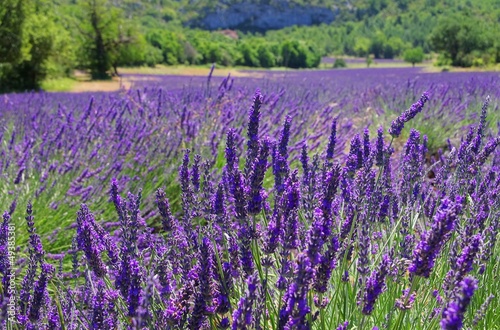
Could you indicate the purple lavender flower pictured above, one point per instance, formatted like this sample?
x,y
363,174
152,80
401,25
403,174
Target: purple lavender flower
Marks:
x,y
476,143
239,197
453,314
343,326
103,312
19,175
325,267
231,153
304,160
355,157
134,290
366,143
375,285
195,173
486,152
464,263
35,241
379,147
89,242
405,302
280,170
285,137
399,123
479,315
315,238
330,185
253,131
363,262
332,140
13,206
291,216
245,235
187,192
224,287
257,178
167,220
274,230
242,316
40,292
294,313
204,295
432,241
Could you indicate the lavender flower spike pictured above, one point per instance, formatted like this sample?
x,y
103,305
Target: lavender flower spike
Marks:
x,y
40,292
453,314
332,141
399,123
375,285
432,241
253,131
242,316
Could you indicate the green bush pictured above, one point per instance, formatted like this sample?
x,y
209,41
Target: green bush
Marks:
x,y
339,63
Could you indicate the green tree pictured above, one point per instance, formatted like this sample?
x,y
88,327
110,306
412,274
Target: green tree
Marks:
x,y
459,37
104,31
26,42
298,55
414,55
266,56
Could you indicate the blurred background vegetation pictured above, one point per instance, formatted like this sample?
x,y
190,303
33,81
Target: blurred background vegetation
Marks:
x,y
46,39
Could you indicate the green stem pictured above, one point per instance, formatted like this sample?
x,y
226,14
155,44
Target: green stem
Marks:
x,y
407,297
362,322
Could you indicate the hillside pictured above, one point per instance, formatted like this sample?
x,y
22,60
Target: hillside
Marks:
x,y
257,15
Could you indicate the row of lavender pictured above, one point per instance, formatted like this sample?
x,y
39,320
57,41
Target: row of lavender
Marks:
x,y
374,241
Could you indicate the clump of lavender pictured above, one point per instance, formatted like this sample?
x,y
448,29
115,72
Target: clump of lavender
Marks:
x,y
453,314
40,292
167,218
433,240
294,313
89,242
399,123
332,141
243,315
204,295
257,177
375,285
253,132
464,263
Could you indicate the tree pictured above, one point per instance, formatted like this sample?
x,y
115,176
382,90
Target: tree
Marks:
x,y
414,55
297,55
104,31
26,42
459,37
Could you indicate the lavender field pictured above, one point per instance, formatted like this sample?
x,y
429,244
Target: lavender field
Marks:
x,y
351,199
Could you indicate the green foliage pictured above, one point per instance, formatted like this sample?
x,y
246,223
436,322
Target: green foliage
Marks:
x,y
298,55
267,58
462,38
249,54
106,37
169,44
339,63
414,55
26,42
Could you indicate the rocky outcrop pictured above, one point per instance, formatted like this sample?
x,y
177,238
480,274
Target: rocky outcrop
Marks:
x,y
254,17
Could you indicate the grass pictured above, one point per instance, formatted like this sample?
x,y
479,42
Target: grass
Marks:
x,y
59,84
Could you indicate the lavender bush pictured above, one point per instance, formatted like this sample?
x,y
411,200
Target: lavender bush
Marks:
x,y
274,221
